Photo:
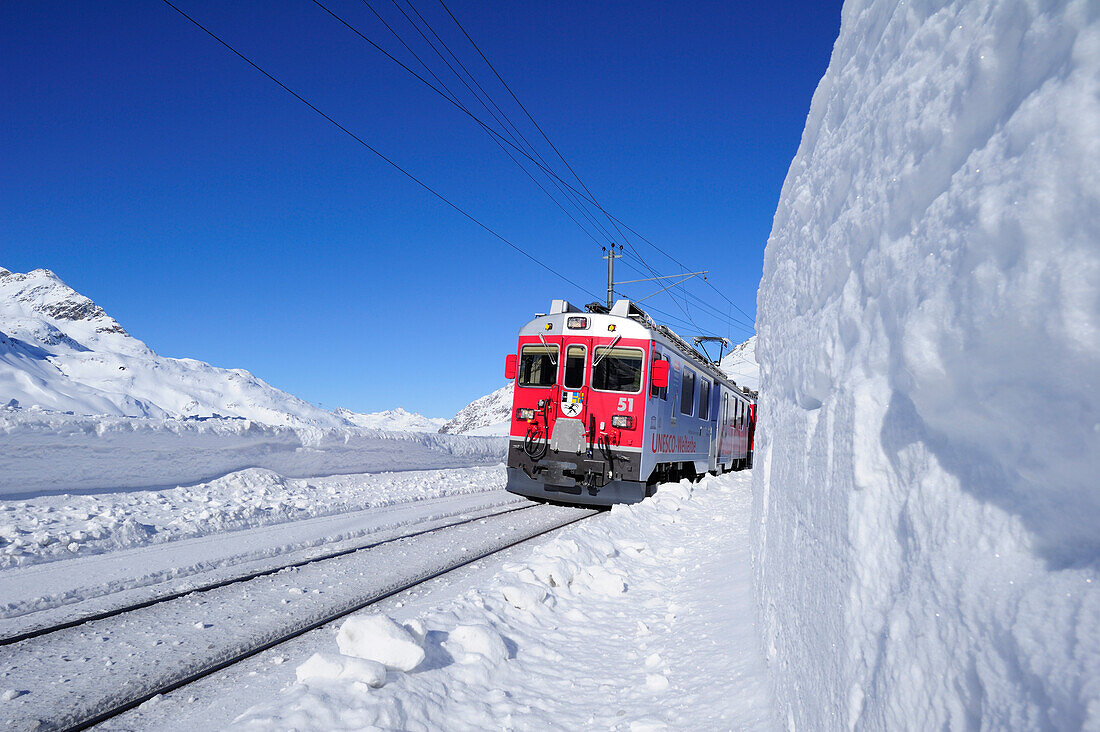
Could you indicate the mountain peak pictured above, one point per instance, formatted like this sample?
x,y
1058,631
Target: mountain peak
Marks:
x,y
42,291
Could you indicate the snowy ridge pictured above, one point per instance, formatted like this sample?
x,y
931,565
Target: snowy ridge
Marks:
x,y
60,351
929,337
489,415
392,420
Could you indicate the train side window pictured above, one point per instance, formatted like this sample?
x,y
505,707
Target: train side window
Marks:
x,y
617,369
704,399
687,391
538,365
574,367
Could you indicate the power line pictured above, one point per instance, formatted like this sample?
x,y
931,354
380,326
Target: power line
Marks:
x,y
446,95
542,165
507,121
453,98
362,142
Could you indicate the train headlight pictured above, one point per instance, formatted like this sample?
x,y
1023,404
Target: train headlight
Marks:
x,y
525,414
623,421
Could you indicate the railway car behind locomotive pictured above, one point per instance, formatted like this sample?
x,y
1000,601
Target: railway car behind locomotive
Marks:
x,y
609,404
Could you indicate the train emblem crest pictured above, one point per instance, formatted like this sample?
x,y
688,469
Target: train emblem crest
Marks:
x,y
571,403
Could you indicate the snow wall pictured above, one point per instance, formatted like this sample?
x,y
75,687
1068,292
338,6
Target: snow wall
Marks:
x,y
927,491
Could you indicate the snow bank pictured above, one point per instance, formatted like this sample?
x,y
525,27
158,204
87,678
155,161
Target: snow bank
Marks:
x,y
929,324
58,527
56,453
637,619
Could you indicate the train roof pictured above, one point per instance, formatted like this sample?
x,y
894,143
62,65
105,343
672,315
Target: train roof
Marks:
x,y
630,321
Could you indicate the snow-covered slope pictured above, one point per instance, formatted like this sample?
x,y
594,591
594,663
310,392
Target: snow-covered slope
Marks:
x,y
61,351
489,415
741,366
926,503
391,420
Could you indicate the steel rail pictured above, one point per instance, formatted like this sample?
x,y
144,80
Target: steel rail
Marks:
x,y
213,668
175,595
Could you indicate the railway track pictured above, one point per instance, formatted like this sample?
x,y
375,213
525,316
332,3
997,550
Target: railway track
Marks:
x,y
164,644
37,632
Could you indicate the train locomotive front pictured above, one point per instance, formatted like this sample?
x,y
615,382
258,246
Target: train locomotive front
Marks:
x,y
608,405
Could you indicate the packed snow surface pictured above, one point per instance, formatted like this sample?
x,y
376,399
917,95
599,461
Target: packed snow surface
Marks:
x,y
926,502
636,619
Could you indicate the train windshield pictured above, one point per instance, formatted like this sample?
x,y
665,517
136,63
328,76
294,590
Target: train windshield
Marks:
x,y
617,369
538,365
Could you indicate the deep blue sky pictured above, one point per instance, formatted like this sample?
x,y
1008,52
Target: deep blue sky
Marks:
x,y
218,218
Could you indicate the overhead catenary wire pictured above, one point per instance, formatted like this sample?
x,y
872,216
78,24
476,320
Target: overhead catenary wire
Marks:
x,y
587,196
451,96
501,140
683,323
378,153
485,99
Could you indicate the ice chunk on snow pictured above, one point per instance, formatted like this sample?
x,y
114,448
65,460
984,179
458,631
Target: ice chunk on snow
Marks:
x,y
647,725
332,666
419,632
656,682
602,581
472,643
524,596
378,638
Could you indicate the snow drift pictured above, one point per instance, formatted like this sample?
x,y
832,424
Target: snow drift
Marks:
x,y
929,316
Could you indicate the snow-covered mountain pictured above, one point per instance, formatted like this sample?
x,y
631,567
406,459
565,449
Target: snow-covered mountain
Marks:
x,y
392,420
61,351
489,415
741,366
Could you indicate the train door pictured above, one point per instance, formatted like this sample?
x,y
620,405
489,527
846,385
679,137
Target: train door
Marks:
x,y
657,395
574,401
725,448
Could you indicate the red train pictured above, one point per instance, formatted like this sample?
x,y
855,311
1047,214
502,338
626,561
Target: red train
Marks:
x,y
608,405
